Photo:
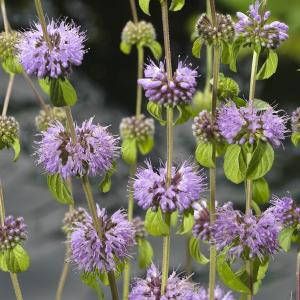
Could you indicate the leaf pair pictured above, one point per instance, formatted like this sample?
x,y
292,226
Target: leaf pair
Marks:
x,y
176,5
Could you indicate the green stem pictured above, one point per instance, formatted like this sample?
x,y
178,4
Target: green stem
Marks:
x,y
63,276
70,123
139,97
170,117
134,11
113,285
253,76
4,16
8,94
41,16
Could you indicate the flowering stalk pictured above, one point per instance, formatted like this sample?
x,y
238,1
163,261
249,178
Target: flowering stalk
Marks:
x,y
13,276
8,94
212,171
166,240
4,15
208,55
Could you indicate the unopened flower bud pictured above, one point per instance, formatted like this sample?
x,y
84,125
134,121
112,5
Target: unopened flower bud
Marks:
x,y
139,226
227,88
8,40
45,117
72,217
9,131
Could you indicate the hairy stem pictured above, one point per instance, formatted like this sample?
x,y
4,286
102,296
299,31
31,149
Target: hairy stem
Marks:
x,y
134,11
63,276
8,94
253,76
209,54
113,285
4,16
41,16
168,57
139,95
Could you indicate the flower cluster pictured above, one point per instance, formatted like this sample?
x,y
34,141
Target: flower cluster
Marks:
x,y
139,228
91,251
227,88
254,28
150,288
47,116
8,40
53,56
247,236
220,294
72,217
285,210
9,131
139,128
222,32
91,154
248,124
159,89
152,191
140,33
12,233
201,228
295,120
205,129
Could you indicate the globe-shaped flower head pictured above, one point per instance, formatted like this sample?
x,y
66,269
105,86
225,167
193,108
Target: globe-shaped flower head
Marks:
x,y
150,288
72,217
55,58
102,252
159,89
248,124
151,188
254,28
92,153
49,115
295,120
12,233
247,236
9,131
8,41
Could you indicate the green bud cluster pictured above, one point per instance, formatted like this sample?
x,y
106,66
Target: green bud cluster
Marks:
x,y
227,88
204,129
72,217
139,226
46,117
223,32
295,120
7,44
9,131
140,33
139,128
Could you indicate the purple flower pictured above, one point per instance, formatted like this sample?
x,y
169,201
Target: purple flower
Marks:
x,y
285,211
201,228
150,187
93,252
12,233
247,236
255,30
150,288
248,124
219,294
159,89
91,154
64,51
295,120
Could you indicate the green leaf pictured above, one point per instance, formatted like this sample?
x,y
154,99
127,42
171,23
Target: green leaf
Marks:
x,y
269,67
260,269
228,277
104,278
145,253
239,101
194,249
260,104
105,184
155,223
234,51
146,145
62,93
155,48
155,110
45,85
177,5
235,164
226,50
261,192
3,265
185,113
59,189
187,222
91,280
296,138
129,151
17,259
12,66
17,148
125,47
144,5
285,238
203,154
261,161
196,49
174,218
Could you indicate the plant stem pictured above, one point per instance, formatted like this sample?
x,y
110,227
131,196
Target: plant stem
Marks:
x,y
63,276
253,76
8,94
167,46
41,15
209,54
134,11
298,277
113,285
140,52
13,276
4,15
70,123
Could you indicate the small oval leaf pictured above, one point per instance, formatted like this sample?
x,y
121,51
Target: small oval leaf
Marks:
x,y
194,249
204,153
129,151
155,223
145,253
